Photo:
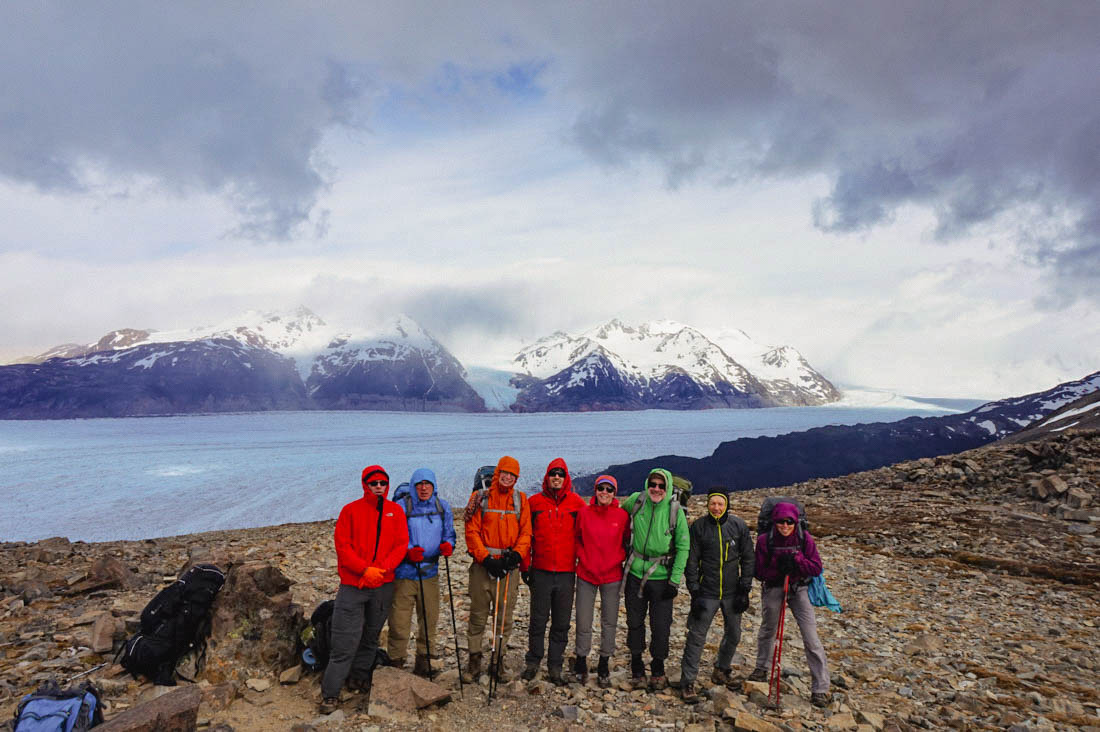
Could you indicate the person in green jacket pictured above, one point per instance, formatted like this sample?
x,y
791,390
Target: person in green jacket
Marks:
x,y
659,552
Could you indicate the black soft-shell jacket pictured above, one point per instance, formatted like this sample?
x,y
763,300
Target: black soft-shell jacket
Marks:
x,y
721,558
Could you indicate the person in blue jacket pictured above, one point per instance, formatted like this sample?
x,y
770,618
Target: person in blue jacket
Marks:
x,y
431,535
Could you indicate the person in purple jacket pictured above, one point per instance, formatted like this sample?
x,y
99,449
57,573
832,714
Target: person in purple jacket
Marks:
x,y
786,551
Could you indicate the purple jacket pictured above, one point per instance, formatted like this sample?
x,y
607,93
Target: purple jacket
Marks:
x,y
770,545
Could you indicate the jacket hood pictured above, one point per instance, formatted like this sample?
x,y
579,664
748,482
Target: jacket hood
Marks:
x,y
668,486
420,475
605,479
371,471
507,464
785,511
725,499
566,487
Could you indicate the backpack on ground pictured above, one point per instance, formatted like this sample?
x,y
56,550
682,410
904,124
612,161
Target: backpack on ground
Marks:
x,y
176,621
53,709
317,637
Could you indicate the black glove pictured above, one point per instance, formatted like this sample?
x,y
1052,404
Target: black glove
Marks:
x,y
526,577
697,606
495,567
741,600
787,565
670,591
512,559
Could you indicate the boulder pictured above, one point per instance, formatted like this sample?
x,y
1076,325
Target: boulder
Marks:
x,y
51,550
104,630
256,622
404,691
175,711
745,722
110,571
1077,498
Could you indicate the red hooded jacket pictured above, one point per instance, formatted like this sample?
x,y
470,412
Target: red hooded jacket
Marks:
x,y
554,524
370,532
603,534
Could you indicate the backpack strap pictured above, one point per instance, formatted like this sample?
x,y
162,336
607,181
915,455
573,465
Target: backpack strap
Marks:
x,y
516,506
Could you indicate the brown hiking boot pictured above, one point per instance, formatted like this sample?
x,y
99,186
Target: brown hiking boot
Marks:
x,y
421,667
658,683
758,674
473,669
397,663
721,676
689,695
328,705
819,699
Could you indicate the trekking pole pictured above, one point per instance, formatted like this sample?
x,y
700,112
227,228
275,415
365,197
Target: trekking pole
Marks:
x,y
85,673
454,623
777,654
500,633
424,620
493,640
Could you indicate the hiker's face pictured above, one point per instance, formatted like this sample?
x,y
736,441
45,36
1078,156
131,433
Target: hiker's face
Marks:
x,y
555,481
716,506
506,479
424,490
377,485
785,526
657,487
605,494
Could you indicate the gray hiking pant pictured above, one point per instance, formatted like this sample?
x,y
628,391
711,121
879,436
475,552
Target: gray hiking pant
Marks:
x,y
798,601
551,599
609,616
698,625
357,620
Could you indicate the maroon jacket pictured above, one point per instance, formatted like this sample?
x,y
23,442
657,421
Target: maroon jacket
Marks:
x,y
554,524
603,533
771,544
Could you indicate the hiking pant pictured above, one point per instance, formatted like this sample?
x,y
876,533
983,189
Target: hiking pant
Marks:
x,y
357,620
660,617
406,599
771,602
551,599
482,591
698,625
609,616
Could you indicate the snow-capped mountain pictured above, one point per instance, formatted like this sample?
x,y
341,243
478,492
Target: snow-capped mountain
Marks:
x,y
661,364
394,365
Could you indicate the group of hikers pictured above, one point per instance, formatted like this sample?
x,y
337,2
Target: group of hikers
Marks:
x,y
638,548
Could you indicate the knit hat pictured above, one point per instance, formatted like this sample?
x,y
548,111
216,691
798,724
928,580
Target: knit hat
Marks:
x,y
721,493
508,464
609,479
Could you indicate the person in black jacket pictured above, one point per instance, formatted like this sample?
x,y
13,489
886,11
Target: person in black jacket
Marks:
x,y
718,576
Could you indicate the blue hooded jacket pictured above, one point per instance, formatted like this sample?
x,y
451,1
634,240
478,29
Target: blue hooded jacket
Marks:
x,y
427,528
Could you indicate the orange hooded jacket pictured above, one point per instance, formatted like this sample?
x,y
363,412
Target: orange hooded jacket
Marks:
x,y
498,527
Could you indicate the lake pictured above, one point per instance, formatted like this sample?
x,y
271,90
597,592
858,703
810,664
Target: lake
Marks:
x,y
105,479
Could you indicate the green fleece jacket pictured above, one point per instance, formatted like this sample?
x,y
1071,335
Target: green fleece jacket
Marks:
x,y
650,536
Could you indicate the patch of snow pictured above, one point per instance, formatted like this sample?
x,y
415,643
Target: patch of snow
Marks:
x,y
493,386
1066,427
988,426
881,398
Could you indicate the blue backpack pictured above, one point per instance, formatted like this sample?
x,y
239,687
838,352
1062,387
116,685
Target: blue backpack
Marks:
x,y
53,709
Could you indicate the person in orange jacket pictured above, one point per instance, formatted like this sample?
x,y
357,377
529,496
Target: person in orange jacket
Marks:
x,y
498,536
371,538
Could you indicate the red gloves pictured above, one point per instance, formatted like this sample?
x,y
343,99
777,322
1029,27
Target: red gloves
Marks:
x,y
445,549
415,554
372,578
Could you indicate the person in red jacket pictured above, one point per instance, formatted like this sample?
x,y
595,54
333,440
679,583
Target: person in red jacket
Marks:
x,y
603,534
371,538
552,569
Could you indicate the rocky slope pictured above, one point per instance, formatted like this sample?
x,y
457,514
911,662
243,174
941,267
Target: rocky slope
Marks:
x,y
256,362
661,365
755,462
969,586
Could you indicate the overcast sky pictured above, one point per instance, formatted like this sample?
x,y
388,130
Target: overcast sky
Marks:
x,y
907,192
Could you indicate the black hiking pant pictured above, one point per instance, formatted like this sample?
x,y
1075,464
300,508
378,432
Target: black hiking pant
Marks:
x,y
660,617
551,599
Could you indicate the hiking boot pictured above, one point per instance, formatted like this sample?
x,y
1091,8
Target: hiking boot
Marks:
x,y
397,663
638,681
758,674
328,705
358,684
554,675
721,676
603,673
530,671
503,675
689,695
422,667
580,670
658,683
819,699
473,669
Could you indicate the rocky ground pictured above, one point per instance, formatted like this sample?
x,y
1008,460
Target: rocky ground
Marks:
x,y
969,585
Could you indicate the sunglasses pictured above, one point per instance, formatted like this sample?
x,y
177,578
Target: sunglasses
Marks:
x,y
786,522
556,473
377,483
605,488
659,486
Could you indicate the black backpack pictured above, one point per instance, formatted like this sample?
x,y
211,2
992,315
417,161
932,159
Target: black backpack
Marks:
x,y
317,637
52,708
176,621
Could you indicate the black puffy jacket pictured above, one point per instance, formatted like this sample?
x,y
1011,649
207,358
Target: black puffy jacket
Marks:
x,y
721,557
